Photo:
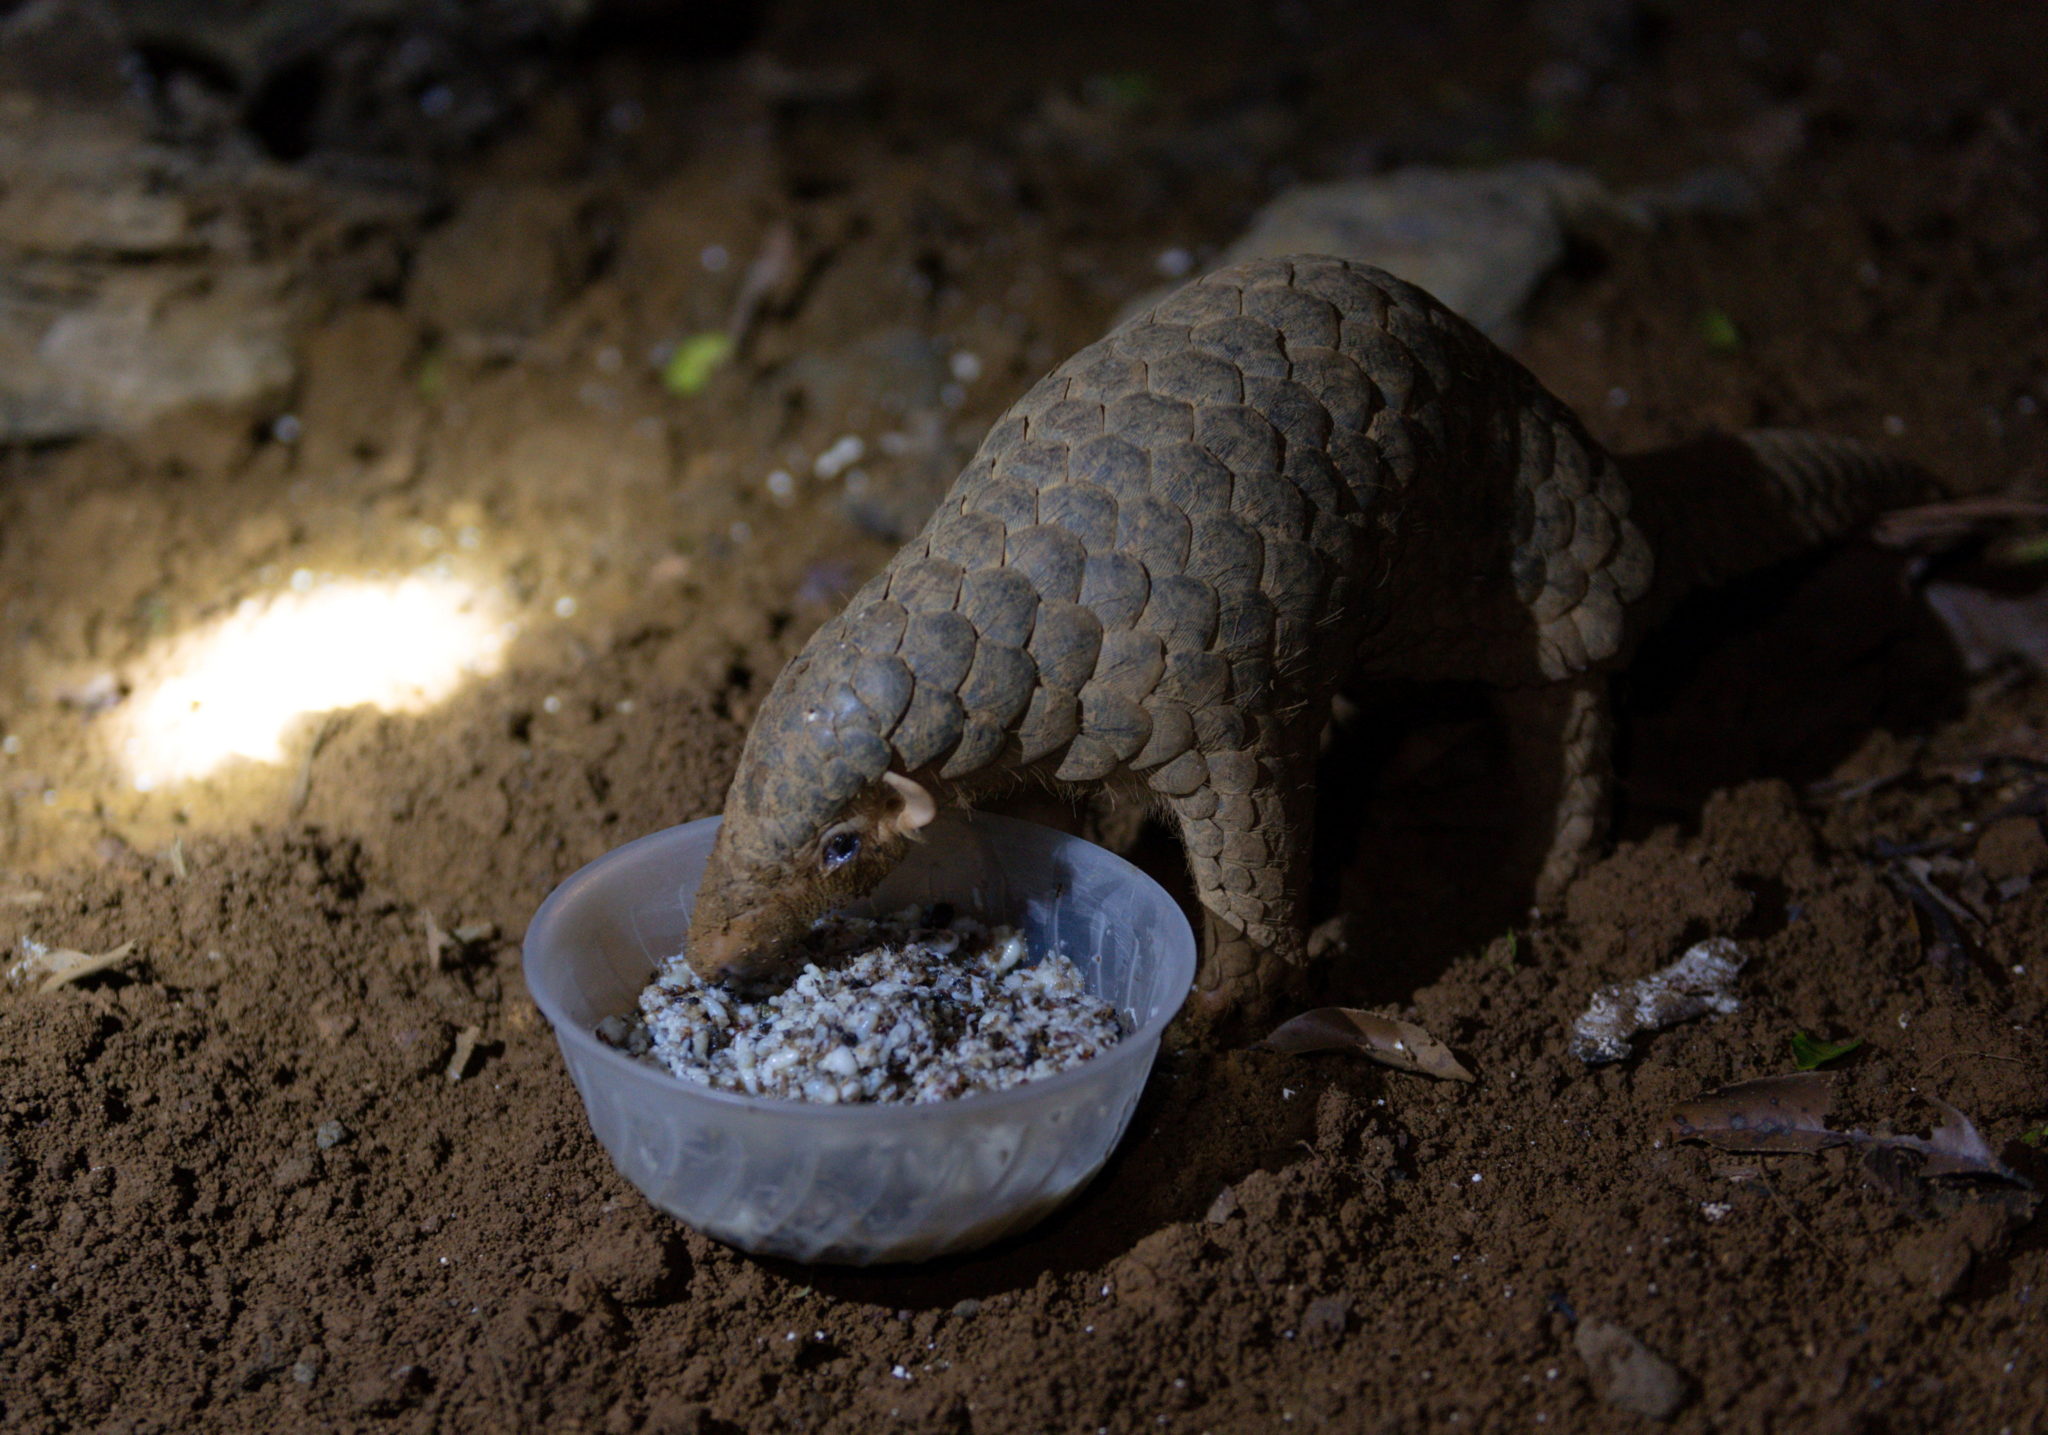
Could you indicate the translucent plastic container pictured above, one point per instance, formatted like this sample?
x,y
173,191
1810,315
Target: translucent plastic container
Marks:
x,y
860,1184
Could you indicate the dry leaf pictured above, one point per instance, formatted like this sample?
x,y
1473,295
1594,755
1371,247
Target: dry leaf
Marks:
x,y
1772,1113
68,966
1789,1113
1399,1044
1941,525
1988,627
1954,1148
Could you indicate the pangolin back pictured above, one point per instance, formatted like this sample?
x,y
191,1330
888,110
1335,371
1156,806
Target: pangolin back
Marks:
x,y
1288,476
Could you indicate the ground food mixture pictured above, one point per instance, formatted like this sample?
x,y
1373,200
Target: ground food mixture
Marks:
x,y
923,1005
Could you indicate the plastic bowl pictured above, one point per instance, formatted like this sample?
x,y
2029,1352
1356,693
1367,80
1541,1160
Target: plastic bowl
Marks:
x,y
861,1184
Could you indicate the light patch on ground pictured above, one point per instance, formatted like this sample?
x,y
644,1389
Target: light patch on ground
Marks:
x,y
237,688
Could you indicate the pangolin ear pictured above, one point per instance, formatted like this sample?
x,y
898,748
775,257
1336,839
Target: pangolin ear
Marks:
x,y
916,806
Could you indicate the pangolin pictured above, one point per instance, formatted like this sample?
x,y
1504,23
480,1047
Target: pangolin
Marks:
x,y
1288,478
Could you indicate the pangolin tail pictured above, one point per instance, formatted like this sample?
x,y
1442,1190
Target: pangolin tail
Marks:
x,y
1729,504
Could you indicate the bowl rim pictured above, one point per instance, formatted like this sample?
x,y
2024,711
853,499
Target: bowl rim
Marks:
x,y
1136,1046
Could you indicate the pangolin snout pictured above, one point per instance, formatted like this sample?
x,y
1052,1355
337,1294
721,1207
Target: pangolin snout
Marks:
x,y
723,955
747,948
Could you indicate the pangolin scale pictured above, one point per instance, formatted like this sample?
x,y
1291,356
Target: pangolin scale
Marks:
x,y
1288,478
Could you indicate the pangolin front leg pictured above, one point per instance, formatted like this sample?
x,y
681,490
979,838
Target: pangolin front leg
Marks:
x,y
1247,832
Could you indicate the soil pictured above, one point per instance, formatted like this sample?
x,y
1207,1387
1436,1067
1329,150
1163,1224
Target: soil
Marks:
x,y
304,1160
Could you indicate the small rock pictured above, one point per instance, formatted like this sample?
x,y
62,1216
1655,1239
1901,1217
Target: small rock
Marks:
x,y
418,1052
1626,1373
637,1262
1325,1319
967,1309
1480,240
294,1173
670,1415
306,1369
1223,1207
390,1391
2012,847
1265,1198
263,1341
334,1027
329,1134
1152,1276
1939,1259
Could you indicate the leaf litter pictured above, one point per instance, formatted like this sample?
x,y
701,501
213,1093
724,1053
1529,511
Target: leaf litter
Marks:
x,y
1387,1040
1808,1052
1789,1113
62,966
1984,579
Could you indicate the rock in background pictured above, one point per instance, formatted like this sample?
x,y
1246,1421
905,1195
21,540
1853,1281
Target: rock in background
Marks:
x,y
160,246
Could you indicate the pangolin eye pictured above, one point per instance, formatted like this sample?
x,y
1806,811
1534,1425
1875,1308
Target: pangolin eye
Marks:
x,y
841,848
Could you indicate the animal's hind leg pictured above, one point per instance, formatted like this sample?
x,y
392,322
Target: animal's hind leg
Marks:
x,y
1560,746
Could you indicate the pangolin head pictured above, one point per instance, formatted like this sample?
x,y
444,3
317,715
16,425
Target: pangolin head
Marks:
x,y
815,818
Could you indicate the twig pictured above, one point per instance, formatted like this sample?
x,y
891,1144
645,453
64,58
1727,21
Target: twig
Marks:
x,y
302,786
465,1049
1944,522
769,271
78,965
1832,790
438,942
1923,873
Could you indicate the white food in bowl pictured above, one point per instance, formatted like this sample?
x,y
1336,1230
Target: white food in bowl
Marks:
x,y
920,1005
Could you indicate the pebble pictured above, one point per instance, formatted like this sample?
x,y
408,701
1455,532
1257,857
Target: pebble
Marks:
x,y
1325,1319
842,455
1627,1374
329,1134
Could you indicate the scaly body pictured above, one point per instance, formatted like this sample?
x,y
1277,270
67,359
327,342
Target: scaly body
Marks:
x,y
1289,478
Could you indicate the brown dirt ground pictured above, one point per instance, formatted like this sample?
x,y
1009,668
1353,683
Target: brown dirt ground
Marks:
x,y
181,1253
